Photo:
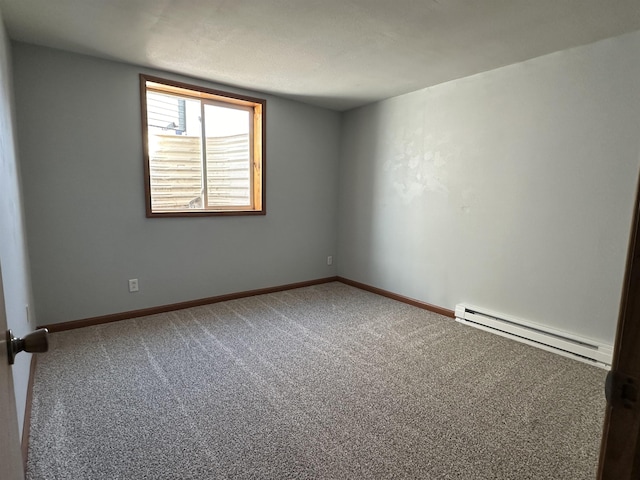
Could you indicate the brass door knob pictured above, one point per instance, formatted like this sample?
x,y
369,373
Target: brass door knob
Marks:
x,y
34,342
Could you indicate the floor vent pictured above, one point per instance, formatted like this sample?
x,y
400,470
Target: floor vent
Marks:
x,y
557,341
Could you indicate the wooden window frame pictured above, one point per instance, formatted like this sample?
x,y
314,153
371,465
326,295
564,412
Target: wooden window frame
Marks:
x,y
257,143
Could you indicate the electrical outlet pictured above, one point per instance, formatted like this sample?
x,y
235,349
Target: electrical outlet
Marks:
x,y
133,285
330,260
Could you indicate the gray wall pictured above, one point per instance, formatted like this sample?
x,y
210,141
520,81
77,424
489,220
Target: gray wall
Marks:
x,y
81,157
13,248
511,189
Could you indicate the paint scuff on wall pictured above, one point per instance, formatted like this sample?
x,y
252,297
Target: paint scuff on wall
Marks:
x,y
420,164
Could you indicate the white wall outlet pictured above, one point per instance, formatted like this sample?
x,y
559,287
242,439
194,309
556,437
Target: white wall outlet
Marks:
x,y
330,260
133,285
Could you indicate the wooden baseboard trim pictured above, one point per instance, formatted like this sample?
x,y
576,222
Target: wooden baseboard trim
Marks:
x,y
116,317
26,425
401,298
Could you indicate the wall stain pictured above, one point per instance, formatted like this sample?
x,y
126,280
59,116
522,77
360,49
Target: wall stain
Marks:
x,y
417,166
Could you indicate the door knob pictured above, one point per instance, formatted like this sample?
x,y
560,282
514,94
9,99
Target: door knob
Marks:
x,y
34,342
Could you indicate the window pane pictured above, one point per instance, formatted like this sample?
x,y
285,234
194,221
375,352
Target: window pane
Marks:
x,y
175,152
228,156
204,150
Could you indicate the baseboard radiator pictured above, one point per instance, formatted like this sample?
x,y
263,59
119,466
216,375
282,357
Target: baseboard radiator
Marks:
x,y
552,340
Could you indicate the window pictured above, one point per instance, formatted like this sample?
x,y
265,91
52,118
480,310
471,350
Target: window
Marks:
x,y
204,150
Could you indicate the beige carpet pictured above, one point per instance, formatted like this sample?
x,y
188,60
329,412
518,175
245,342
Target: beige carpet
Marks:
x,y
320,382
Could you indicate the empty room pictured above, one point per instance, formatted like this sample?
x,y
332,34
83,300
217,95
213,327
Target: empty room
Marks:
x,y
337,240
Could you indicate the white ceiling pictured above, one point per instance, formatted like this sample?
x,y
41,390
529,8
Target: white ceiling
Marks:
x,y
333,53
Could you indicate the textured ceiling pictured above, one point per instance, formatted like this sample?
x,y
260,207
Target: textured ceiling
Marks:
x,y
333,53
